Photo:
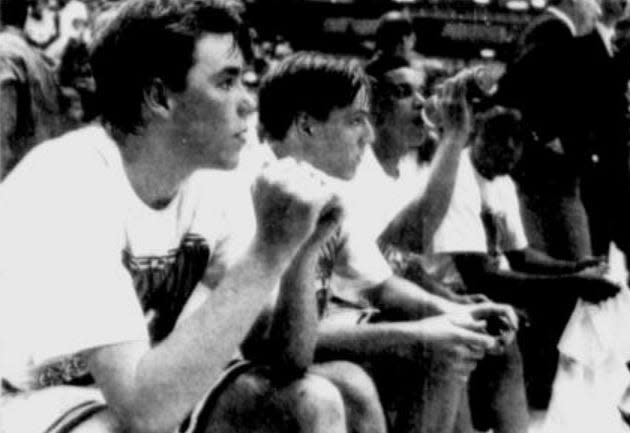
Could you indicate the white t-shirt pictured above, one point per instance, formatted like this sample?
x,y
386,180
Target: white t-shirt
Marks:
x,y
378,197
500,202
350,260
85,263
463,231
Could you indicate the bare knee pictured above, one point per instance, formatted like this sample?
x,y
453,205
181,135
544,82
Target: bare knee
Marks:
x,y
355,385
364,411
255,403
314,401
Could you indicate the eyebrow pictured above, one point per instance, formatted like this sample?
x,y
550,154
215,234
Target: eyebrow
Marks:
x,y
229,71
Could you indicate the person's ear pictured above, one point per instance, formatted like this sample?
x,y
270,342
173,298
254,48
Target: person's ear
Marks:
x,y
157,99
305,124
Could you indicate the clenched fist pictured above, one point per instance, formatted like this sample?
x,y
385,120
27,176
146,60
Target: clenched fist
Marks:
x,y
293,202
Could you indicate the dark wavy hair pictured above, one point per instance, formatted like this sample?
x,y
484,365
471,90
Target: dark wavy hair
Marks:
x,y
144,40
13,12
310,83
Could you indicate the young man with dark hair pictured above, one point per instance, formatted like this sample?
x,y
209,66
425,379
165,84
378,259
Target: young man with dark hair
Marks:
x,y
107,231
30,110
419,349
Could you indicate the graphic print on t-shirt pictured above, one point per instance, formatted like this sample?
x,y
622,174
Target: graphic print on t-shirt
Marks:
x,y
164,283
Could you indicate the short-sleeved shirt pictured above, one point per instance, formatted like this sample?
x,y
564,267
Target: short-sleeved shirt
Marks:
x,y
501,215
463,229
38,111
350,261
85,263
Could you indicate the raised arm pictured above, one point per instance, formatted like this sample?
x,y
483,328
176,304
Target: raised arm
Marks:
x,y
153,389
290,342
415,225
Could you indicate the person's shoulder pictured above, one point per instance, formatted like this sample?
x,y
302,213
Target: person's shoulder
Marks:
x,y
76,157
546,29
11,43
90,143
13,51
64,184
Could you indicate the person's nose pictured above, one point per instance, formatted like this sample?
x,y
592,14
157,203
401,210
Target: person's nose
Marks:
x,y
247,103
369,134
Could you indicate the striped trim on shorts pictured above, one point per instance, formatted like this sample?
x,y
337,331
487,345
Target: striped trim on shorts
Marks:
x,y
75,416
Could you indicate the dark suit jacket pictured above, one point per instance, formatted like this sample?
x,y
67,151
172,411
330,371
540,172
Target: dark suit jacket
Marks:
x,y
540,82
602,85
604,130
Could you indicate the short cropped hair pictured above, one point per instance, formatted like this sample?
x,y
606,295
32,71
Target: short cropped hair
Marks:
x,y
307,83
13,13
498,124
382,93
145,40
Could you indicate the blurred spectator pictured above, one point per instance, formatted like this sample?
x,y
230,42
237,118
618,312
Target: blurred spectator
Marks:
x,y
73,26
606,131
75,76
42,23
30,109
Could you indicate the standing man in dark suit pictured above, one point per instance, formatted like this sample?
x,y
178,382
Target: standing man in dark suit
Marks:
x,y
539,82
605,183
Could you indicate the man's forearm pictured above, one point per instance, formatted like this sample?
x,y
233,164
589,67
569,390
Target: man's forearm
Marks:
x,y
154,389
357,343
417,274
523,289
293,332
530,260
401,298
414,227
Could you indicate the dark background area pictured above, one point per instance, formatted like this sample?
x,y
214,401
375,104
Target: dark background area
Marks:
x,y
456,29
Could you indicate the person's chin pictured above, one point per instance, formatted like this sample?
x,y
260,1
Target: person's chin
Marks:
x,y
229,163
232,163
348,174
